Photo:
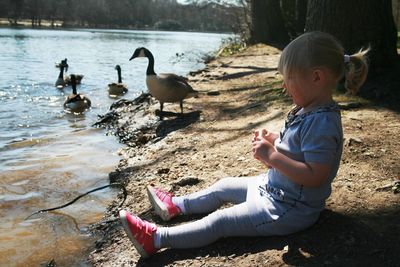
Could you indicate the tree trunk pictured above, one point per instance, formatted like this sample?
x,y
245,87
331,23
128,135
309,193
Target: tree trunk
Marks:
x,y
288,8
294,13
18,6
356,24
301,15
267,23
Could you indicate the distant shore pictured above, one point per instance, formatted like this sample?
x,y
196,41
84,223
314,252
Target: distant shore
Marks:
x,y
58,25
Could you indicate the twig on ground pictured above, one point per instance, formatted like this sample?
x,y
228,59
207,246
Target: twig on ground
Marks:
x,y
80,196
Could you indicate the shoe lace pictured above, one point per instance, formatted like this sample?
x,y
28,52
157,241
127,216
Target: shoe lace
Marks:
x,y
163,195
144,229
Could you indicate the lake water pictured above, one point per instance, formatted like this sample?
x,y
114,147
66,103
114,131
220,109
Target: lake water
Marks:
x,y
48,157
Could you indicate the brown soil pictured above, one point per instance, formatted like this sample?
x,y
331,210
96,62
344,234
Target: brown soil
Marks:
x,y
360,226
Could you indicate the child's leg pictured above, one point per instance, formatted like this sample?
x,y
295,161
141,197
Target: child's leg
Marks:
x,y
168,206
229,189
233,221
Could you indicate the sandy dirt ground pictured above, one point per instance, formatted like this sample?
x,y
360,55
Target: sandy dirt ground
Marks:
x,y
240,93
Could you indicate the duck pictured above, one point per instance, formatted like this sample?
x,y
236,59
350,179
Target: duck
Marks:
x,y
63,62
62,80
165,87
76,103
78,78
119,88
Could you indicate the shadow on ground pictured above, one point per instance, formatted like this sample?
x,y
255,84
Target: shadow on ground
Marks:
x,y
252,70
335,240
179,121
384,90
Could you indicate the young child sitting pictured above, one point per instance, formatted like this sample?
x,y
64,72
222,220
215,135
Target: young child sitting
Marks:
x,y
302,159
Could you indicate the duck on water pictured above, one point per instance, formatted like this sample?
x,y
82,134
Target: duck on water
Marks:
x,y
76,103
165,87
115,89
62,80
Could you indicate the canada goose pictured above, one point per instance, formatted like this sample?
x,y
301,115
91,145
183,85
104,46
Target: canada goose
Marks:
x,y
60,82
78,78
165,87
66,78
119,88
75,102
63,62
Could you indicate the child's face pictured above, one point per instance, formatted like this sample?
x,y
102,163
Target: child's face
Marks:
x,y
298,86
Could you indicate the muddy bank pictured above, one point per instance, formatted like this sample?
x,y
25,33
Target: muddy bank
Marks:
x,y
212,140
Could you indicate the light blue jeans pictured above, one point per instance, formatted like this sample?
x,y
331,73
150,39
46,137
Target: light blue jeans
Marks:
x,y
232,221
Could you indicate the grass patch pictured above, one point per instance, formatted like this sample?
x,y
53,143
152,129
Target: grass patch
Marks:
x,y
231,46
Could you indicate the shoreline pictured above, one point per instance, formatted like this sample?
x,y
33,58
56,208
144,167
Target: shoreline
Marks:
x,y
240,93
26,24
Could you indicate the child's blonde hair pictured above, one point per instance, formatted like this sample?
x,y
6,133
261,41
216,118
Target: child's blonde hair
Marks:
x,y
319,49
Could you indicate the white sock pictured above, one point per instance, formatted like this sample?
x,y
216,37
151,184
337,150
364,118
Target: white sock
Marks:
x,y
178,201
157,239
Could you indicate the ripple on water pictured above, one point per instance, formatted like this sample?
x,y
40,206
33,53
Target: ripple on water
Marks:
x,y
27,143
15,196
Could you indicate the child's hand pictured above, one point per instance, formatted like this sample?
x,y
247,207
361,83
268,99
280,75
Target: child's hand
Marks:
x,y
262,148
269,136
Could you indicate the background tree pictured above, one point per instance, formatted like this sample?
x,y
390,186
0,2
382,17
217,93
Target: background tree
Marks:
x,y
16,8
267,24
204,15
35,8
362,23
274,22
301,14
242,16
294,13
4,7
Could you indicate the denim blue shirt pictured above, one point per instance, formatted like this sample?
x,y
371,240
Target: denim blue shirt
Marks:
x,y
314,136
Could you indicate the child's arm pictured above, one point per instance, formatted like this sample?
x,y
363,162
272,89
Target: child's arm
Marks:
x,y
307,174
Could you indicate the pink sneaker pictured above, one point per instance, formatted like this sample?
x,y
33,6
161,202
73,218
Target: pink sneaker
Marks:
x,y
139,232
162,203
